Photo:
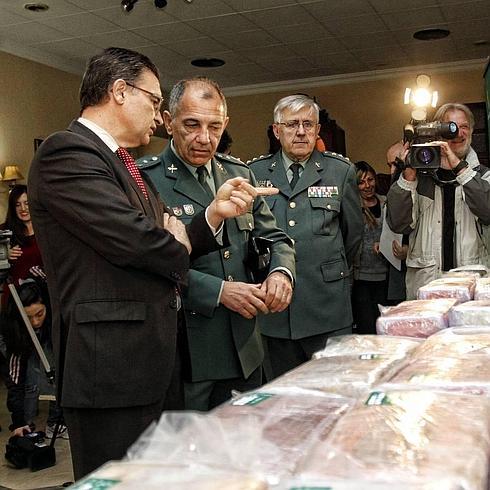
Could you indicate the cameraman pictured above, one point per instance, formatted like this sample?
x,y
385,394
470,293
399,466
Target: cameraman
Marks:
x,y
445,212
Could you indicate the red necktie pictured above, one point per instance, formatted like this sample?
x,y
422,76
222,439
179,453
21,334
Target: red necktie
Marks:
x,y
133,170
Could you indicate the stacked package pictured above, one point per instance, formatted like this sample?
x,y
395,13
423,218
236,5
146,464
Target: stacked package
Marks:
x,y
395,347
136,475
347,375
461,288
482,288
416,318
409,439
450,361
470,313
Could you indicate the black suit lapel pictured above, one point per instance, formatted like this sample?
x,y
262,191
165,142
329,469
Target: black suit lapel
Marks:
x,y
120,170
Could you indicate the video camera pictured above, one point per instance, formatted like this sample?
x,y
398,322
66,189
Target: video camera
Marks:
x,y
422,154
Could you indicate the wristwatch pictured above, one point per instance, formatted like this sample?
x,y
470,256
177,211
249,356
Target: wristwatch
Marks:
x,y
460,166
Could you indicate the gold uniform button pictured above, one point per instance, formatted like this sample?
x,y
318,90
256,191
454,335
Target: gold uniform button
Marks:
x,y
226,254
230,278
291,222
292,205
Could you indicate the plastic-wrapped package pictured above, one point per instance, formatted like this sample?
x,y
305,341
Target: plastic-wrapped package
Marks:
x,y
350,376
414,439
479,269
396,347
290,419
470,313
455,342
136,475
467,374
264,430
482,288
415,318
461,288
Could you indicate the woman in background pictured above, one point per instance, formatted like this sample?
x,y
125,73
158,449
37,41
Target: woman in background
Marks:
x,y
24,255
27,378
370,286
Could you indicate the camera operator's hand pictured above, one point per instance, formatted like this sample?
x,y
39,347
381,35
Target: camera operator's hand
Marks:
x,y
409,173
448,159
21,431
14,252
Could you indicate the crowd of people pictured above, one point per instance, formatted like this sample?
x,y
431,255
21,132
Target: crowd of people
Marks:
x,y
153,304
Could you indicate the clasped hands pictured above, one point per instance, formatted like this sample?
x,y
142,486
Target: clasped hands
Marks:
x,y
273,295
234,198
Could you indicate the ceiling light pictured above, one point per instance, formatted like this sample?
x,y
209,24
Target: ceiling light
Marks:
x,y
420,97
160,4
128,5
431,34
36,7
207,62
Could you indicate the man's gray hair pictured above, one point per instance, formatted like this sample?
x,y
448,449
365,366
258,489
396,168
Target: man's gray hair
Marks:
x,y
441,112
295,103
211,90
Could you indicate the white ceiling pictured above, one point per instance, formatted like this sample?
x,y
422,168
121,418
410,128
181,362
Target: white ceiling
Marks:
x,y
261,41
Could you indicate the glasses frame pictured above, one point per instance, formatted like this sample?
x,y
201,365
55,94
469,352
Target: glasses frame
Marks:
x,y
295,125
157,100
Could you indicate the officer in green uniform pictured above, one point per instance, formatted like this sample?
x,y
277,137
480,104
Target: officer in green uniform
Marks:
x,y
221,303
318,205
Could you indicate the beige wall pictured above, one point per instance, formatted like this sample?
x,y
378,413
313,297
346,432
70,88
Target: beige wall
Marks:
x,y
371,113
35,101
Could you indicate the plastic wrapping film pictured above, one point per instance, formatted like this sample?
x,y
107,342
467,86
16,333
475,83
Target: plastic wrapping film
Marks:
x,y
470,313
461,288
348,375
292,420
455,342
396,347
478,269
482,288
138,475
263,430
413,439
415,318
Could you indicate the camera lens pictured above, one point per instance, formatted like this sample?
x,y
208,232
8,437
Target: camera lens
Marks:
x,y
425,156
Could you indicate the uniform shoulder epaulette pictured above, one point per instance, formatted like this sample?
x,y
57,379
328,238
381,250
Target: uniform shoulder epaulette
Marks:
x,y
229,158
257,159
338,156
148,161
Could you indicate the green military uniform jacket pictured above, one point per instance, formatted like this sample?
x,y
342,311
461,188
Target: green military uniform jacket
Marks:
x,y
222,343
323,217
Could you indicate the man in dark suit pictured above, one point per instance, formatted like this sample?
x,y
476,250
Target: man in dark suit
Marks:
x,y
115,260
221,301
318,205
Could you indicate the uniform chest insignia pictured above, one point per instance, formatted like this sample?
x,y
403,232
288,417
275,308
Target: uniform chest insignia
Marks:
x,y
317,165
177,210
332,190
172,168
318,191
220,166
189,209
265,183
273,164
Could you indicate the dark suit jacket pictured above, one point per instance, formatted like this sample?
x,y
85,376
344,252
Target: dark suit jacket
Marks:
x,y
112,272
222,343
323,217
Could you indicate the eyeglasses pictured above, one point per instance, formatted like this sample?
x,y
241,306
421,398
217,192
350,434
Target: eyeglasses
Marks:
x,y
294,125
157,100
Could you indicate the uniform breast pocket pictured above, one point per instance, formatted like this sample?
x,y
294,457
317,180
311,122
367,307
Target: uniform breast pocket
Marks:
x,y
245,223
324,212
